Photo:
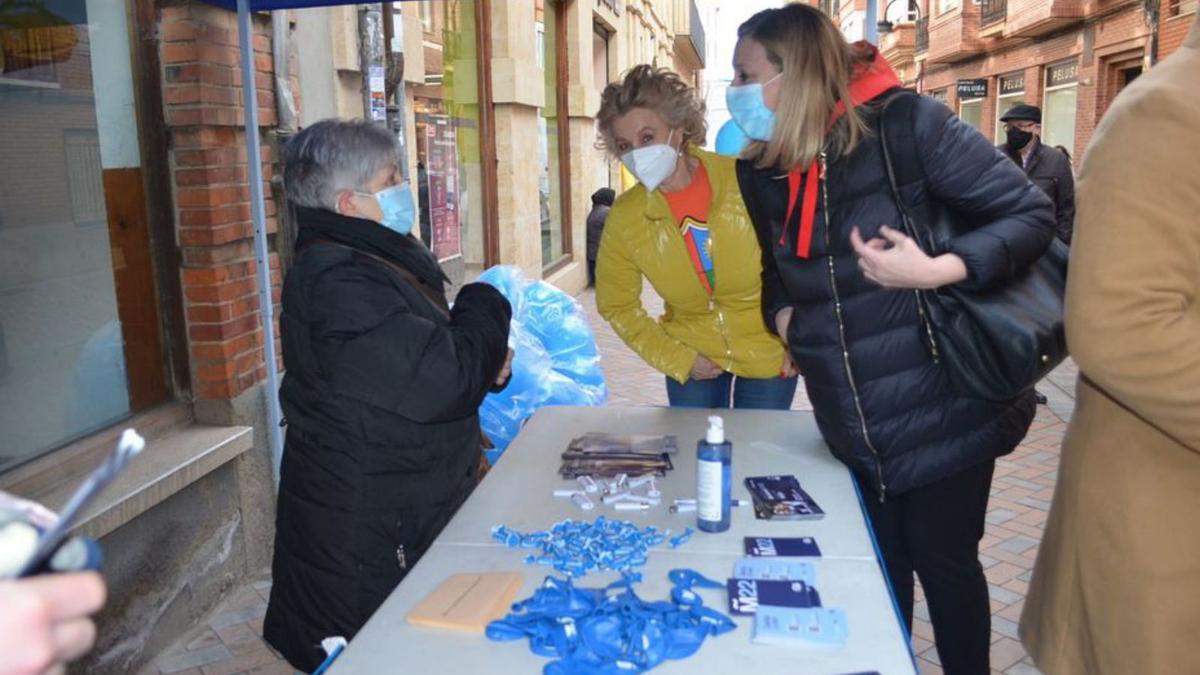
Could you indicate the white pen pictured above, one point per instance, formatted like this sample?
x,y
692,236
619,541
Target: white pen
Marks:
x,y
631,506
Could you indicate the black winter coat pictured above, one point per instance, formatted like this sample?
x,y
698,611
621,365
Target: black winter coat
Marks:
x,y
595,229
884,406
1050,169
383,442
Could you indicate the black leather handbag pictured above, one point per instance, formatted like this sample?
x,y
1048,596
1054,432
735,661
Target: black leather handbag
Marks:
x,y
995,343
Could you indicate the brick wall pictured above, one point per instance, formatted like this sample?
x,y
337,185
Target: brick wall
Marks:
x,y
1096,44
1173,31
202,102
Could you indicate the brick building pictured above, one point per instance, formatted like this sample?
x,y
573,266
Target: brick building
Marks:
x,y
1070,57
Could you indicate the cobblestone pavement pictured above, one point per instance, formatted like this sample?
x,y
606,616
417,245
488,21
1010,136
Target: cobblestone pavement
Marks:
x,y
1023,486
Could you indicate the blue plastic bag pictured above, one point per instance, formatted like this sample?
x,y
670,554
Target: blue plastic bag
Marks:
x,y
555,358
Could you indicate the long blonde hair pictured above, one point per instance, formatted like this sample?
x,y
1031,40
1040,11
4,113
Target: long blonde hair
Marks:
x,y
817,66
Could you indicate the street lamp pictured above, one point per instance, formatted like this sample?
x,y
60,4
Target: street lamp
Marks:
x,y
884,26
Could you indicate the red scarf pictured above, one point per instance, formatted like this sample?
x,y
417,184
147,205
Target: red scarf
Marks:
x,y
869,81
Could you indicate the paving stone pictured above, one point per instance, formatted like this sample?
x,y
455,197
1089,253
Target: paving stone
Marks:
x,y
1023,668
931,656
206,639
1003,595
928,668
921,611
1017,544
1035,503
1005,627
999,516
1006,653
179,661
230,618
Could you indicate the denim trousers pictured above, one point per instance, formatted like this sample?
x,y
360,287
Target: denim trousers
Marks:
x,y
730,391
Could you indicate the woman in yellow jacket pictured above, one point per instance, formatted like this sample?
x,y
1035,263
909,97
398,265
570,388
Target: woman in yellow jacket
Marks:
x,y
685,228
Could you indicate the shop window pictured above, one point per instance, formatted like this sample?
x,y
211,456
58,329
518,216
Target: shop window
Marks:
x,y
553,157
941,96
1060,104
1181,7
971,112
426,9
450,173
601,73
80,347
1012,94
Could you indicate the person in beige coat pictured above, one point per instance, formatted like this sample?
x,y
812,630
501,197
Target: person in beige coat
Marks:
x,y
1116,588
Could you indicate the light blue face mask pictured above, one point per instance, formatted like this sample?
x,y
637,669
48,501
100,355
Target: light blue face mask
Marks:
x,y
396,204
750,111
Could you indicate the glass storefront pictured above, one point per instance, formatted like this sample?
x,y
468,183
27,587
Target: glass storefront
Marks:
x,y
550,207
1060,106
66,98
971,112
446,113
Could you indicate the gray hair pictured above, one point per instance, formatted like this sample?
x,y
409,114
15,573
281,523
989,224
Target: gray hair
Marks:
x,y
335,155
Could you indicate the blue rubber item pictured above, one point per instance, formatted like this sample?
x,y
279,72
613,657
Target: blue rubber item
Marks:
x,y
575,548
555,357
611,631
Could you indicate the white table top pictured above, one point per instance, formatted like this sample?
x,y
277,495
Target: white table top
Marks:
x,y
518,494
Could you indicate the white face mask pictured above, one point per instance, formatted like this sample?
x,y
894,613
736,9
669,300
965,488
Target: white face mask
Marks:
x,y
652,164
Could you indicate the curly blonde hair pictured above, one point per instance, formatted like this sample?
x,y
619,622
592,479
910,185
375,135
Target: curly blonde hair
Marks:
x,y
659,90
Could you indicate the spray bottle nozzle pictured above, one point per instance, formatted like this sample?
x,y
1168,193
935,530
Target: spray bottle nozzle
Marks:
x,y
716,430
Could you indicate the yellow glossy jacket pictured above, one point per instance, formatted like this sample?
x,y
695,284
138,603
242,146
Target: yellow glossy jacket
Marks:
x,y
642,239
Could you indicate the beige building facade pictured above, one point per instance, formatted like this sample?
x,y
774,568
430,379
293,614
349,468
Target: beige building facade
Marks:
x,y
500,123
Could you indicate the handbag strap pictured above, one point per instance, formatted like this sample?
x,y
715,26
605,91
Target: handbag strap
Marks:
x,y
438,301
896,121
900,156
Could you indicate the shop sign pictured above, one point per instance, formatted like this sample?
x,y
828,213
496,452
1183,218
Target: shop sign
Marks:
x,y
968,89
1062,74
1012,84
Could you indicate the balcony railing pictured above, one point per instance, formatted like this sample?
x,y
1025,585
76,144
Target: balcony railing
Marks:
x,y
992,12
922,44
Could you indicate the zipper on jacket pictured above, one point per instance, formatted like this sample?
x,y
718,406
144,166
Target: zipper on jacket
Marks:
x,y
837,306
714,305
933,348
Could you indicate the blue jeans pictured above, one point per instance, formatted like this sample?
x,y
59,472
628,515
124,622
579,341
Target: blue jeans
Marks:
x,y
769,394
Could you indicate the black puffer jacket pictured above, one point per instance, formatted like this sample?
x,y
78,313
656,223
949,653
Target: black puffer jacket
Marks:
x,y
883,405
383,443
1050,169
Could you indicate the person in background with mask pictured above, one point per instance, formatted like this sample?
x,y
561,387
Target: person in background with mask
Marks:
x,y
684,227
1049,168
382,388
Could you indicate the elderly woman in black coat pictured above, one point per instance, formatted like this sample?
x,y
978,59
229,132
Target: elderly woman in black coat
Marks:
x,y
838,282
381,393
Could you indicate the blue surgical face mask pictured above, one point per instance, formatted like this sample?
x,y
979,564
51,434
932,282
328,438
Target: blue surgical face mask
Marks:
x,y
396,205
750,111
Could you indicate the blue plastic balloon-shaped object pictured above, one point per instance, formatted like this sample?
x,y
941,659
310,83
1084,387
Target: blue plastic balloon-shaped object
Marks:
x,y
731,139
